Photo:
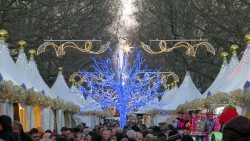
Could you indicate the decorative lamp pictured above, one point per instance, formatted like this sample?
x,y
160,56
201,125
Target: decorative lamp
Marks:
x,y
247,38
22,44
32,52
60,69
3,34
234,48
224,55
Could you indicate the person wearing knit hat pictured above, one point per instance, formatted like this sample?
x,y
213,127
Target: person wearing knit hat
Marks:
x,y
235,128
174,135
228,114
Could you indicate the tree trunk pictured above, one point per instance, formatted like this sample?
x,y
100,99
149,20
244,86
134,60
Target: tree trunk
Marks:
x,y
123,117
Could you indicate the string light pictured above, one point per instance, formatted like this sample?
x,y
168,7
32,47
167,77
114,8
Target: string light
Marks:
x,y
191,49
59,49
120,88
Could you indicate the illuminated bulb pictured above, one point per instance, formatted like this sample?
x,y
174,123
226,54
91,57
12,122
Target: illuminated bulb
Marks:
x,y
127,48
3,34
247,39
234,48
22,44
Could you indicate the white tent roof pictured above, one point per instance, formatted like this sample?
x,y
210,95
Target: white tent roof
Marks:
x,y
91,106
239,75
22,65
37,79
151,105
78,96
169,97
186,92
61,89
9,66
164,98
218,84
217,80
6,76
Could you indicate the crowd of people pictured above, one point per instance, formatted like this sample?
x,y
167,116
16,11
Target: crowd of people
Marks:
x,y
234,128
13,131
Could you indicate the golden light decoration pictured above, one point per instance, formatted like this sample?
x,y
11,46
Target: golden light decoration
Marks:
x,y
22,44
247,39
3,34
47,102
71,107
16,94
237,98
165,77
73,78
59,49
32,97
32,52
234,48
224,55
7,89
127,48
191,49
58,103
218,99
19,95
247,95
195,104
60,69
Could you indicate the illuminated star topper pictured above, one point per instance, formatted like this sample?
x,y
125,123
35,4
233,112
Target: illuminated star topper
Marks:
x,y
127,48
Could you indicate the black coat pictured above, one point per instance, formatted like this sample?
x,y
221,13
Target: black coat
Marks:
x,y
25,137
237,129
8,135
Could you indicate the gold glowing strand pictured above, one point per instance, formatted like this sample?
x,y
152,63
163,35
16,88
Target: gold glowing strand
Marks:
x,y
59,49
164,78
191,49
73,78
